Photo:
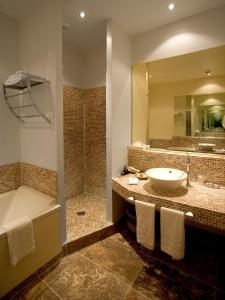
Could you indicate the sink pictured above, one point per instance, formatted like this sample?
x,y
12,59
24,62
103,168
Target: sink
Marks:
x,y
206,146
166,178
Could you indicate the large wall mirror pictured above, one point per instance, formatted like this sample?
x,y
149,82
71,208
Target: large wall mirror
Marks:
x,y
179,102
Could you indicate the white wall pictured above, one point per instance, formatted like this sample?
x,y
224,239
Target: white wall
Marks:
x,y
9,63
40,53
95,67
118,103
73,66
206,30
86,69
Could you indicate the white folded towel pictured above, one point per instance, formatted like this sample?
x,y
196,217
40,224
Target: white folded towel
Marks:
x,y
20,239
145,213
172,232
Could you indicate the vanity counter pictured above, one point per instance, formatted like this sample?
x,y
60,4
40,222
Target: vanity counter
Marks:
x,y
206,204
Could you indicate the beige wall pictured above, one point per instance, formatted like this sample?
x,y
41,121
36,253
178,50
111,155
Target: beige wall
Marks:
x,y
161,113
139,103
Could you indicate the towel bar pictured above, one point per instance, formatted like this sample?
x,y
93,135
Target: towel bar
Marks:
x,y
132,201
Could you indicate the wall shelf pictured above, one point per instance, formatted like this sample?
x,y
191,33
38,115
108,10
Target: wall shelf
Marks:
x,y
23,82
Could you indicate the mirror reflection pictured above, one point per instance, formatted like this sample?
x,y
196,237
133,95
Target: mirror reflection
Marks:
x,y
199,115
179,102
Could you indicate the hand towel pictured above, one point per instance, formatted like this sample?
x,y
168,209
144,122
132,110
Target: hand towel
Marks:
x,y
20,239
145,213
172,232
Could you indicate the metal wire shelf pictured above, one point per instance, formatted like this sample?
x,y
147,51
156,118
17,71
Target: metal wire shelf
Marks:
x,y
24,84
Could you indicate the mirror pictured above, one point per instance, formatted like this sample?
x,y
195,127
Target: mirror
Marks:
x,y
179,102
199,115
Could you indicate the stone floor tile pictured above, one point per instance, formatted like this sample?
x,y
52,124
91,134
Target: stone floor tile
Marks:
x,y
39,292
118,259
135,295
79,279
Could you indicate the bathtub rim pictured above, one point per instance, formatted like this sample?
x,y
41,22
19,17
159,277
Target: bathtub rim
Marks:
x,y
35,218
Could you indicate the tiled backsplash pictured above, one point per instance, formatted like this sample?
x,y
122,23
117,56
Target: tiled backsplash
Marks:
x,y
84,140
191,142
212,167
9,177
14,175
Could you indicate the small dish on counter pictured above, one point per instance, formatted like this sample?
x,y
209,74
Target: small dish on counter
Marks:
x,y
141,175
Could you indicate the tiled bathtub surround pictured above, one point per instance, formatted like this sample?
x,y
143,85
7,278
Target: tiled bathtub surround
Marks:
x,y
40,179
84,140
9,177
14,175
210,166
73,102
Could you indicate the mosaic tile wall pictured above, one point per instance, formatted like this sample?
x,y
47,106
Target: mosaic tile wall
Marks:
x,y
40,179
95,141
9,177
210,166
73,103
12,176
84,141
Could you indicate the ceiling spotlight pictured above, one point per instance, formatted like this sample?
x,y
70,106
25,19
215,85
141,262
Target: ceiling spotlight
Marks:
x,y
82,14
171,6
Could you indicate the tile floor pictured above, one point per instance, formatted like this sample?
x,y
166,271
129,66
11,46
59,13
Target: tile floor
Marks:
x,y
85,214
117,268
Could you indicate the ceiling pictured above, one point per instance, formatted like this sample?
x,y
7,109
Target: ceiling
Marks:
x,y
188,66
134,16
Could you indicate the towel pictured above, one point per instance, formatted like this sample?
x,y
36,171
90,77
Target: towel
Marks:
x,y
20,239
145,213
172,232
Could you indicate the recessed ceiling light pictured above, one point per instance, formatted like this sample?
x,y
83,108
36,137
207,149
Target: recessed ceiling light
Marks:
x,y
82,14
171,6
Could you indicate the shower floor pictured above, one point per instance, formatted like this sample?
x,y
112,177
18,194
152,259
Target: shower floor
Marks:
x,y
85,214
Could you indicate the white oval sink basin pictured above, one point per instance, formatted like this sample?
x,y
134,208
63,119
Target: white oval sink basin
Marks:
x,y
166,178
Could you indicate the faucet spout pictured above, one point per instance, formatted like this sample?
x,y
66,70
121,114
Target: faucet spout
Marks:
x,y
188,169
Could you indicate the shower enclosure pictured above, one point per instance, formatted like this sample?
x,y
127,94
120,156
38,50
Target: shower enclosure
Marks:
x,y
84,160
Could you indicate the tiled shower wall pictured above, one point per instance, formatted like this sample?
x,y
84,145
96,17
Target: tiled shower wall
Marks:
x,y
73,102
84,140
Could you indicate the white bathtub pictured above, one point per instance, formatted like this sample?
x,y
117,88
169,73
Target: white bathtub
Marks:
x,y
44,212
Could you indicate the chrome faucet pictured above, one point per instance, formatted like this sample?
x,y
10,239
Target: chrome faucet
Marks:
x,y
188,184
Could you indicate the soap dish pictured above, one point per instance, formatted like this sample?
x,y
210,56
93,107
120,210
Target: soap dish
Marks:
x,y
141,175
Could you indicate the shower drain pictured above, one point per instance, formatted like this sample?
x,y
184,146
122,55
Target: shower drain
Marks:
x,y
81,213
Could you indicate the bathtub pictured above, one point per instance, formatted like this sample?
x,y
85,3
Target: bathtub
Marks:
x,y
44,212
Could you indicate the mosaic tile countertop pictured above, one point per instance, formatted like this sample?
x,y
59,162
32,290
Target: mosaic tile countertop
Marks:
x,y
206,204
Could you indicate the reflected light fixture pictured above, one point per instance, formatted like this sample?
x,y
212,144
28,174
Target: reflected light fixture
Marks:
x,y
171,6
82,14
208,72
